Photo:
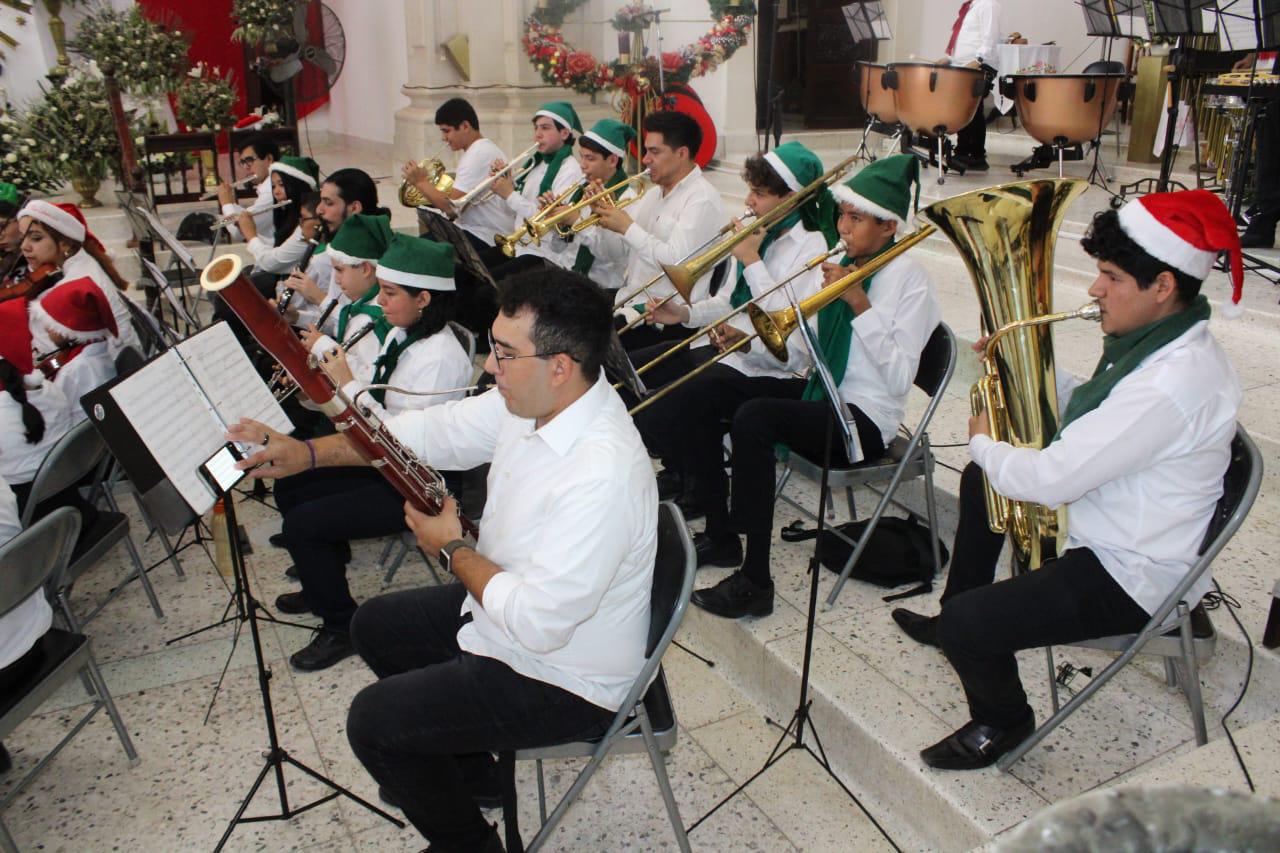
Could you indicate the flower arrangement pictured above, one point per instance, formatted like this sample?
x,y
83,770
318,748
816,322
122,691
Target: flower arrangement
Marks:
x,y
563,65
73,129
143,56
160,162
262,20
207,98
633,18
20,165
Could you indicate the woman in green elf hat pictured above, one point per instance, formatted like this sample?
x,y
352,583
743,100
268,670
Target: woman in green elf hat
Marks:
x,y
871,340
417,296
554,125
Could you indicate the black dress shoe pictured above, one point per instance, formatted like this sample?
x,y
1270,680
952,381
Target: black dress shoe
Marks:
x,y
292,573
970,164
670,484
325,649
293,603
736,596
974,746
726,553
922,629
276,540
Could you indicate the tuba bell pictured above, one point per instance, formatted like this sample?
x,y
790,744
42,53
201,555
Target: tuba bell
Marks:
x,y
411,196
1006,236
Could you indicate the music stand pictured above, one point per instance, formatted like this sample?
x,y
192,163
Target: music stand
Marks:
x,y
867,22
442,230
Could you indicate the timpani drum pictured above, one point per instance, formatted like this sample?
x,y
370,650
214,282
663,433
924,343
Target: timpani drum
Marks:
x,y
876,98
935,99
1065,109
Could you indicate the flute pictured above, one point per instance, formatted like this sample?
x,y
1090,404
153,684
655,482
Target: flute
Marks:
x,y
230,219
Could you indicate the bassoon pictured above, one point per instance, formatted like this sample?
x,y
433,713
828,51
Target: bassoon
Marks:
x,y
419,484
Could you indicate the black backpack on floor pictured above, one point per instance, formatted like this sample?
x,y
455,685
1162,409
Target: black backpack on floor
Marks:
x,y
898,552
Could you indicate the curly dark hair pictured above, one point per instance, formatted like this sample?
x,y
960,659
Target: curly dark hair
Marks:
x,y
571,314
1107,241
759,172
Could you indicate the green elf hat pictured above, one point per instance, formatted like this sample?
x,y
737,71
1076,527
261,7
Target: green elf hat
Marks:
x,y
8,194
418,263
362,238
611,135
796,165
303,168
562,113
883,188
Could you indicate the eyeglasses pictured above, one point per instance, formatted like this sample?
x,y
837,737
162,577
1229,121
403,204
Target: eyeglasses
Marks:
x,y
499,358
246,162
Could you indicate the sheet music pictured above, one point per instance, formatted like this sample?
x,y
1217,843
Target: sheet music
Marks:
x,y
1236,22
166,237
225,374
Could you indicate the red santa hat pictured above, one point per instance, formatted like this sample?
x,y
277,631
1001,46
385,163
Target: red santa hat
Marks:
x,y
64,218
1187,230
78,310
15,336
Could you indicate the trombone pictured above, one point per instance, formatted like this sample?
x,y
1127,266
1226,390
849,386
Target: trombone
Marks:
x,y
482,191
230,219
773,327
528,232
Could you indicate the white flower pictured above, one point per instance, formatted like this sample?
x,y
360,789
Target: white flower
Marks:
x,y
64,156
143,64
8,137
11,157
29,141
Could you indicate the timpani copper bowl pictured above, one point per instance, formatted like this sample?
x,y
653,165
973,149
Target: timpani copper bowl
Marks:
x,y
1065,109
935,99
877,99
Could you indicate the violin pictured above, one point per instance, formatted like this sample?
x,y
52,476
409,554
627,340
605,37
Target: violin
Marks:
x,y
51,362
28,283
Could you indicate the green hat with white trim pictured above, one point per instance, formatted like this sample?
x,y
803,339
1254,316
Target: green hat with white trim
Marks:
x,y
611,135
303,168
562,113
9,194
796,165
363,238
418,263
883,188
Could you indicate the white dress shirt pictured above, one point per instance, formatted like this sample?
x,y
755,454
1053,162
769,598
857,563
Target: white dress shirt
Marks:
x,y
361,356
282,259
1141,473
979,33
665,228
90,368
524,204
571,518
604,272
888,338
26,623
431,364
82,265
483,220
262,220
19,460
784,257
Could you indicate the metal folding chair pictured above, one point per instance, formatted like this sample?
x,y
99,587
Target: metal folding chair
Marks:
x,y
1185,640
907,458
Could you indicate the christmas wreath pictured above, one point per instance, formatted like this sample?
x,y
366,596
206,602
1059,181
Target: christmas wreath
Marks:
x,y
564,65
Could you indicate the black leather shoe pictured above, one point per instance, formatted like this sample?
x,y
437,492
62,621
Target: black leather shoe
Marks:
x,y
293,603
670,484
922,629
276,540
325,649
974,746
734,597
726,553
292,573
970,164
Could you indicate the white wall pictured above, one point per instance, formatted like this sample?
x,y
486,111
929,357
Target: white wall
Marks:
x,y
26,64
365,100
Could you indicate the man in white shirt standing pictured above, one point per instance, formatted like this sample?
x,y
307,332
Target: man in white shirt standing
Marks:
x,y
974,37
682,212
256,154
545,632
1138,463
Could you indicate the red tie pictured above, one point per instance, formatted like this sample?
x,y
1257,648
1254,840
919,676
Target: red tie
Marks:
x,y
955,28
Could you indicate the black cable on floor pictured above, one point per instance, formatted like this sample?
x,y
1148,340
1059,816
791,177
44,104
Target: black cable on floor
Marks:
x,y
1213,601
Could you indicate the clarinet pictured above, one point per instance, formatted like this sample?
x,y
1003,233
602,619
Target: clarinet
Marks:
x,y
286,296
419,484
276,385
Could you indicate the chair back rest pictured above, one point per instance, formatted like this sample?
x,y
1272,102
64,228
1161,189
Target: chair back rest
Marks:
x,y
128,360
30,559
937,361
73,458
465,338
673,571
1239,488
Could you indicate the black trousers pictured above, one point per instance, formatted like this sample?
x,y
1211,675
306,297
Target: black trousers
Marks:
x,y
1266,184
477,300
436,710
645,336
971,141
983,623
323,511
758,427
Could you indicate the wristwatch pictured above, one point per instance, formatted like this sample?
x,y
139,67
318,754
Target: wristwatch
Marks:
x,y
446,553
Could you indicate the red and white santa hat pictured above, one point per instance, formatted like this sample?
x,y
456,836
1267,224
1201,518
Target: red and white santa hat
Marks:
x,y
15,336
1187,230
64,218
78,310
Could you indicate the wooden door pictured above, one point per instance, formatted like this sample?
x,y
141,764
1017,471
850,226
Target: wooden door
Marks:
x,y
831,72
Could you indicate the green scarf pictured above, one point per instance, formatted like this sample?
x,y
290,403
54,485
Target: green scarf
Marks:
x,y
817,214
364,305
835,335
742,290
582,263
385,364
1121,355
553,161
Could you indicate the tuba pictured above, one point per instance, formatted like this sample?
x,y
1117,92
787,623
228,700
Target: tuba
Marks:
x,y
1006,236
411,196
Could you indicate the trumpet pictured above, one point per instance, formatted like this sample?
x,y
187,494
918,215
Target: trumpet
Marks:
x,y
247,181
230,219
282,391
557,221
410,196
774,327
482,191
529,232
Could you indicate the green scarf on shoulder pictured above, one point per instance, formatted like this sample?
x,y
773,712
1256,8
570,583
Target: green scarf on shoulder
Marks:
x,y
554,162
364,305
385,365
582,263
1121,355
817,214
